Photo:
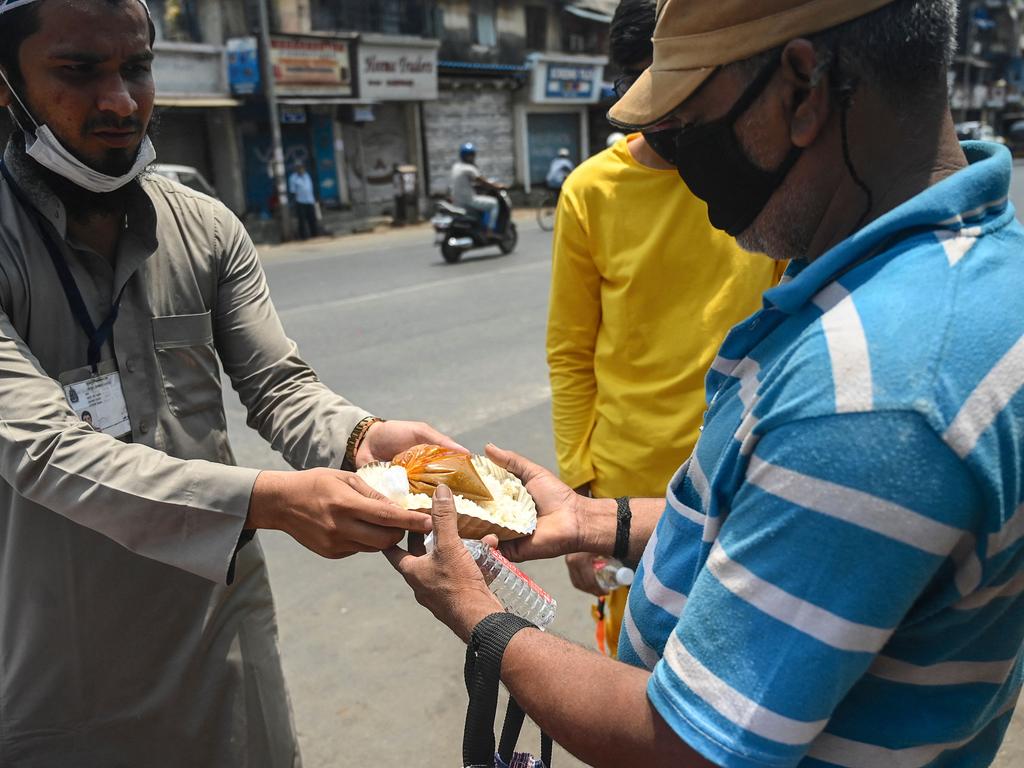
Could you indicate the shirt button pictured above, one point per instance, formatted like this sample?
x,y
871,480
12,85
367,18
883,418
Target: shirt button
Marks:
x,y
130,365
144,427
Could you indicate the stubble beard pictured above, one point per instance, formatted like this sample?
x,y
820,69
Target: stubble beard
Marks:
x,y
785,229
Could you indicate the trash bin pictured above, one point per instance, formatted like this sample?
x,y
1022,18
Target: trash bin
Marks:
x,y
407,209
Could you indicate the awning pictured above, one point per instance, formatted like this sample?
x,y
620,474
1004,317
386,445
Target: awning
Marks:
x,y
483,68
600,11
197,102
312,101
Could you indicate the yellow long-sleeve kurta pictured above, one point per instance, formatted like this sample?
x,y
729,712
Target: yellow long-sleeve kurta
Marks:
x,y
644,291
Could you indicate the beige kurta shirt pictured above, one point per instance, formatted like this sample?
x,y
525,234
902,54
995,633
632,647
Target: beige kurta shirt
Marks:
x,y
120,642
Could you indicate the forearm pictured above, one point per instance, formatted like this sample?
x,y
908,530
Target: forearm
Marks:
x,y
285,400
599,523
593,706
573,401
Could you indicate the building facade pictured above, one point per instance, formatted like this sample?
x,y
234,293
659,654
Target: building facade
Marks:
x,y
195,112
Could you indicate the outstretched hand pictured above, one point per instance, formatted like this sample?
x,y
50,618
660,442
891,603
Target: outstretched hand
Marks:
x,y
335,514
447,582
560,516
386,439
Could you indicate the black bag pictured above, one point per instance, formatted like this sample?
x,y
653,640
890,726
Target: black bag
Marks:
x,y
483,670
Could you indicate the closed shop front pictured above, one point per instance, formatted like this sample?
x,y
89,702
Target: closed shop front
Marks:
x,y
480,111
553,113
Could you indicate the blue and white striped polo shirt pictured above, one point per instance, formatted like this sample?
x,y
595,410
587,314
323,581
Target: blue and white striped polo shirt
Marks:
x,y
838,578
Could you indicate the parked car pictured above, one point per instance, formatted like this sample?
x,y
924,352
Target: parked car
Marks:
x,y
185,174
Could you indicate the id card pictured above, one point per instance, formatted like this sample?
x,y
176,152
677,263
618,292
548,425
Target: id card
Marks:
x,y
98,398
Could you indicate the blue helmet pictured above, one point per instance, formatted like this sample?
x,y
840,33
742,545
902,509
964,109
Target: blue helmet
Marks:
x,y
469,148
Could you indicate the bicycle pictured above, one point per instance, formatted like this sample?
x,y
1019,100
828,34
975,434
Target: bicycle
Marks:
x,y
546,212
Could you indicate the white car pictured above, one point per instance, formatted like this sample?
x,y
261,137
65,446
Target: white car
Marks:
x,y
185,174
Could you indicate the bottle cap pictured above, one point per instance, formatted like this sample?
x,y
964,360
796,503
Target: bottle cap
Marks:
x,y
624,576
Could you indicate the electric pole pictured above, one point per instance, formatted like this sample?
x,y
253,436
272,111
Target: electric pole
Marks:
x,y
270,88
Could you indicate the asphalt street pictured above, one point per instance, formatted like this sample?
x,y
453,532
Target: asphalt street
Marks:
x,y
374,679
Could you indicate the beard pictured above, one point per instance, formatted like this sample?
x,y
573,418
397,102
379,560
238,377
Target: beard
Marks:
x,y
785,228
83,205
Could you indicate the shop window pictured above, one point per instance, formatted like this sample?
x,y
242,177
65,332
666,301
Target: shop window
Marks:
x,y
390,17
484,21
581,36
536,28
176,20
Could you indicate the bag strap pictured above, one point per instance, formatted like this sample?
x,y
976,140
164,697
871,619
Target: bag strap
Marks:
x,y
514,717
483,675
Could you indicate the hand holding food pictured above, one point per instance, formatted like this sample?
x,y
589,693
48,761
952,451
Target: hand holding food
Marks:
x,y
489,500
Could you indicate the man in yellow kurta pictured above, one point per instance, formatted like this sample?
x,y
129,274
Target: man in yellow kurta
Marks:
x,y
643,292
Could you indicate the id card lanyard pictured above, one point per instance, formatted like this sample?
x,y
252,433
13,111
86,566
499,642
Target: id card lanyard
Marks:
x,y
97,336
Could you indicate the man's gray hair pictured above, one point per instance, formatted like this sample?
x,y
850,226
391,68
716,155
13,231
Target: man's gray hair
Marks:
x,y
904,49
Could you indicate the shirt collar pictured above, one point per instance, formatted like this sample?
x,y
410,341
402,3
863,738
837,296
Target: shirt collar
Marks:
x,y
141,214
973,194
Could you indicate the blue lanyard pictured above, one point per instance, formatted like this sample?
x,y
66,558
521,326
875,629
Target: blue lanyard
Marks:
x,y
97,336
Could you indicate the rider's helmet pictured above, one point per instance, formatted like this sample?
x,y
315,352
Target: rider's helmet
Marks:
x,y
467,151
563,152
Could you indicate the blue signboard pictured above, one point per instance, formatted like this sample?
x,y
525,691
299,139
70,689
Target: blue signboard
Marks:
x,y
570,81
243,66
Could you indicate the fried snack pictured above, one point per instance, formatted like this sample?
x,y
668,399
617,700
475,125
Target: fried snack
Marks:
x,y
428,466
511,515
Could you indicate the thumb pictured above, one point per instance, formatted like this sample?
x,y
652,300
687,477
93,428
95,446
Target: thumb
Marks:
x,y
445,518
522,468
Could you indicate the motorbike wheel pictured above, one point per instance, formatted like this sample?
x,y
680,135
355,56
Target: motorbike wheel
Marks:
x,y
510,241
452,254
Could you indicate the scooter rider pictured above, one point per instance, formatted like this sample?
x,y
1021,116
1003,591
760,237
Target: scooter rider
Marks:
x,y
466,179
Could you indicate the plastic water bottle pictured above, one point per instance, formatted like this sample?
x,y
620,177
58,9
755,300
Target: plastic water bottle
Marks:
x,y
517,592
612,574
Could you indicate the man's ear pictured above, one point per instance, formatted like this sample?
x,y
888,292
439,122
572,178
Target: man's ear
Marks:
x,y
808,92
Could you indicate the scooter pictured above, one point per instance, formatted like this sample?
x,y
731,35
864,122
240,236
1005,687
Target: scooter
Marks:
x,y
459,230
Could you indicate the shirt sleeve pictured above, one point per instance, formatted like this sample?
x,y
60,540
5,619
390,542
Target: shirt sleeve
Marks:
x,y
285,400
573,321
187,514
844,527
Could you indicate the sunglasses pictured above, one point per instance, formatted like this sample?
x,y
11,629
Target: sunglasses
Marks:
x,y
625,81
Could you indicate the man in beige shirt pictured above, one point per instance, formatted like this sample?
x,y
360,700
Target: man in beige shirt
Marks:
x,y
122,517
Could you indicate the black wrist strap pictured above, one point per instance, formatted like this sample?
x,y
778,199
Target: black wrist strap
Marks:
x,y
486,648
624,522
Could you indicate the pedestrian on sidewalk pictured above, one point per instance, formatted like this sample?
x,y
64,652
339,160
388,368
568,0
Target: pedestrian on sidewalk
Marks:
x,y
300,187
837,578
137,626
623,350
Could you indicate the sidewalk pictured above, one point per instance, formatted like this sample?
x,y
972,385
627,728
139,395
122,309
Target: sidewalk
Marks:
x,y
266,233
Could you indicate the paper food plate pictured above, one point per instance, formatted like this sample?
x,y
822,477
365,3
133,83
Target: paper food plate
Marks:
x,y
511,515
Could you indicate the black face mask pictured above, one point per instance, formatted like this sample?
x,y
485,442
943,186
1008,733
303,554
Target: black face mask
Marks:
x,y
663,143
717,170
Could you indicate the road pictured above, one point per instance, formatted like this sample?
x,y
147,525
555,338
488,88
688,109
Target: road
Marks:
x,y
374,680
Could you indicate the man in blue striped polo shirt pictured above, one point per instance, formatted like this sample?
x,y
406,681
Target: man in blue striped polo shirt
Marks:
x,y
838,576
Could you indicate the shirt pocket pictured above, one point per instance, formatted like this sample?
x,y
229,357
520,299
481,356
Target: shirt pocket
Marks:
x,y
188,362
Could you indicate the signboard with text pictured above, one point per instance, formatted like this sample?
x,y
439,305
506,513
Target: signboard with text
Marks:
x,y
311,66
397,72
566,81
243,65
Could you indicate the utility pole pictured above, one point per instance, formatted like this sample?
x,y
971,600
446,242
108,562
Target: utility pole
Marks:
x,y
270,86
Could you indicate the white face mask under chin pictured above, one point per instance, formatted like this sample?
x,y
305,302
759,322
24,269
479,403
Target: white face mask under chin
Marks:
x,y
47,150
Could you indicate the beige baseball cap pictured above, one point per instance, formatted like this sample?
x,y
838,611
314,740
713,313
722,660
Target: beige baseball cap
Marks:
x,y
695,37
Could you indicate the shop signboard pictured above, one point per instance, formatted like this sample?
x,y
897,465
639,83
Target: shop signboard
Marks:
x,y
312,66
397,72
243,65
574,80
568,81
